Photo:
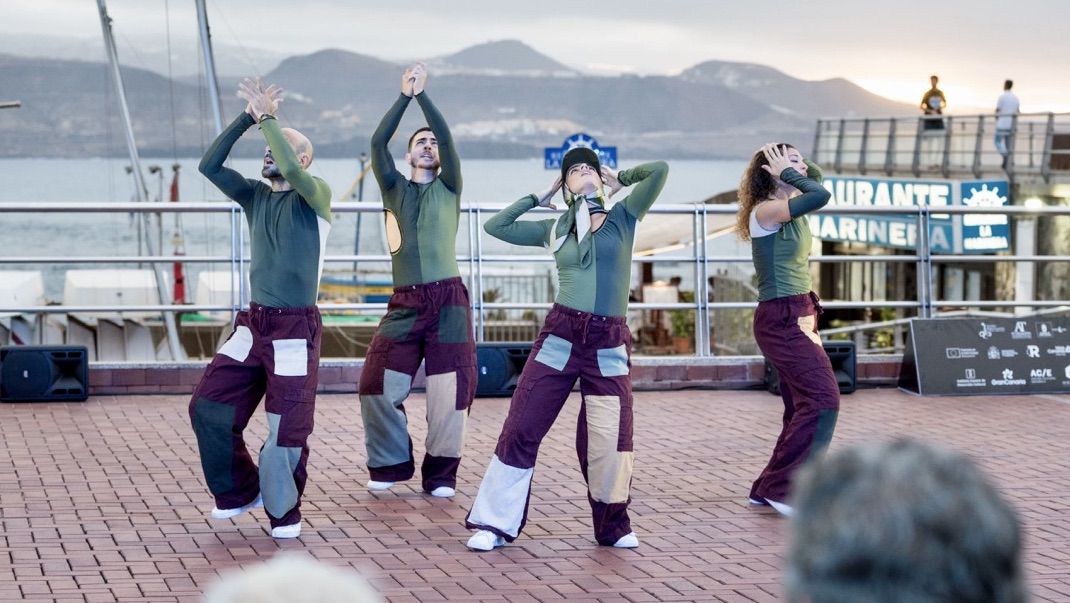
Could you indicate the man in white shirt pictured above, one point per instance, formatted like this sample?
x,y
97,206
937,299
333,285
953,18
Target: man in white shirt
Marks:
x,y
1006,109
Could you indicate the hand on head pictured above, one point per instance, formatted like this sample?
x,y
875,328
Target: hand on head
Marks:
x,y
546,195
777,158
609,177
261,100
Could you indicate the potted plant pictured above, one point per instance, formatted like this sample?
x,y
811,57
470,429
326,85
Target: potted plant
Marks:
x,y
683,325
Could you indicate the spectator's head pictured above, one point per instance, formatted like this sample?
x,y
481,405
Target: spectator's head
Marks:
x,y
291,578
1008,84
934,80
676,281
899,522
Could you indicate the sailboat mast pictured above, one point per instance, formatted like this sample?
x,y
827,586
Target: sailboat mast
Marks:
x,y
209,66
141,189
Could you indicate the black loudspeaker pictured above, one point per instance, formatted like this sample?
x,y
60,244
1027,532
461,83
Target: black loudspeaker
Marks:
x,y
37,373
498,366
844,363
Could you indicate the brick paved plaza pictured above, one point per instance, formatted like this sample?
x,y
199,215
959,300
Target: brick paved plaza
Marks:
x,y
105,501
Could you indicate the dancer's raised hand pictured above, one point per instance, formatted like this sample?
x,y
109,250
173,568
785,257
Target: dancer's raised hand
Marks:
x,y
419,71
407,79
777,158
548,194
609,177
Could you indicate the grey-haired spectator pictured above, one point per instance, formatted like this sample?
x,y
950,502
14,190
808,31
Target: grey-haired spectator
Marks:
x,y
292,578
902,522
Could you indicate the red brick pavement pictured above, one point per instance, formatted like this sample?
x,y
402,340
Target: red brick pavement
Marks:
x,y
104,500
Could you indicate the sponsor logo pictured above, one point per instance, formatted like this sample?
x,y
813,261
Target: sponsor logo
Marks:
x,y
1008,379
1060,350
1032,351
1044,329
1020,332
993,353
970,379
1041,375
953,353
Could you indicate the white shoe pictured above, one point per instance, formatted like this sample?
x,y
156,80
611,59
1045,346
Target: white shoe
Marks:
x,y
485,540
782,508
443,492
218,513
628,541
758,502
375,486
291,531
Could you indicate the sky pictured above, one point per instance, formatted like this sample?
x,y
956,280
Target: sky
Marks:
x,y
887,47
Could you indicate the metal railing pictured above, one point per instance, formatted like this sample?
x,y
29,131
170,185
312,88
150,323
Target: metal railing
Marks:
x,y
698,256
1038,145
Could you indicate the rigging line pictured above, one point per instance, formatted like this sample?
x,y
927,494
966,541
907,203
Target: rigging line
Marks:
x,y
245,51
171,82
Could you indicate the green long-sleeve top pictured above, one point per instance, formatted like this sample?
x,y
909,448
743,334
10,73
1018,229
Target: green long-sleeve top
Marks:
x,y
781,256
421,219
601,288
288,229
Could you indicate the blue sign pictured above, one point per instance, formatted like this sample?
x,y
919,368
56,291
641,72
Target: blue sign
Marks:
x,y
553,155
985,232
977,233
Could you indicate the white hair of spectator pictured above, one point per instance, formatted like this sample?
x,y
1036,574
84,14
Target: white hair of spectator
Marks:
x,y
292,578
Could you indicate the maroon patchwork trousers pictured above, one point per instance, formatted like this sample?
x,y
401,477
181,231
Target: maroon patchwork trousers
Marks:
x,y
597,351
429,323
786,331
272,351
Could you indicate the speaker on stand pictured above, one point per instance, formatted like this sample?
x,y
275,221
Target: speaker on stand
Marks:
x,y
44,373
844,364
498,367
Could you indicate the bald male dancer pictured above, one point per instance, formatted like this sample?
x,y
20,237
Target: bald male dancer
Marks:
x,y
275,346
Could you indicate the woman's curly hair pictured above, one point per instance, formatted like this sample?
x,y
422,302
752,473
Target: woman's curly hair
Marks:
x,y
756,185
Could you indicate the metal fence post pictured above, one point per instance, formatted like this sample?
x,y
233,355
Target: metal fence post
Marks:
x,y
1045,157
865,143
889,152
924,264
838,161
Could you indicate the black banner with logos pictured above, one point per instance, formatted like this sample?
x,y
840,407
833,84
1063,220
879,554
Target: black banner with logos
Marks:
x,y
972,356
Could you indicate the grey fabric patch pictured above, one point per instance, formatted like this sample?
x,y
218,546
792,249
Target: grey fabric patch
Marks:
x,y
453,324
386,430
213,423
555,352
277,466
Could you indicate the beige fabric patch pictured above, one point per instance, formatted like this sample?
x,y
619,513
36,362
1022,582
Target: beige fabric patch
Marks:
x,y
808,325
393,232
445,424
609,471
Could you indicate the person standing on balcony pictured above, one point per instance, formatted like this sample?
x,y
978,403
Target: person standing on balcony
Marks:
x,y
274,348
1007,106
584,337
779,188
428,317
933,103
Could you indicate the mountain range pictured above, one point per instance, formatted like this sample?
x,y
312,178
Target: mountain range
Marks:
x,y
503,99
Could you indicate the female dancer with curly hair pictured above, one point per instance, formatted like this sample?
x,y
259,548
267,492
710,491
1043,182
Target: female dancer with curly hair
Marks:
x,y
778,189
